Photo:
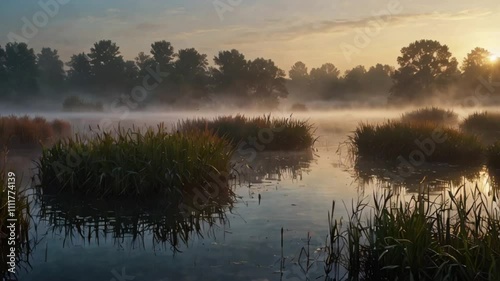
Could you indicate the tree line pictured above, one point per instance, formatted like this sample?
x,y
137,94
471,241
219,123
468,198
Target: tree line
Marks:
x,y
426,70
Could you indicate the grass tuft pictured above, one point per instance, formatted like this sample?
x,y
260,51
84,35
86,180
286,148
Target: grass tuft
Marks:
x,y
262,133
485,125
132,162
391,140
431,115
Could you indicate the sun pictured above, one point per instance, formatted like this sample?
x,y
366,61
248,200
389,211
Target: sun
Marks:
x,y
493,58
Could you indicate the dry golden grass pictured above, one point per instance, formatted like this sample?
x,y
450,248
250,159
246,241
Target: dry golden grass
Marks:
x,y
25,131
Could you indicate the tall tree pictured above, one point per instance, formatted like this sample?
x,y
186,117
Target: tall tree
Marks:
x,y
298,72
231,75
131,74
267,83
163,54
21,68
51,70
477,63
425,67
353,80
190,73
80,74
4,87
143,61
325,81
377,81
327,71
107,66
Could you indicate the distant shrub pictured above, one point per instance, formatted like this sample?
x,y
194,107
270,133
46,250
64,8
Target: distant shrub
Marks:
x,y
299,107
272,134
485,125
25,131
74,103
432,115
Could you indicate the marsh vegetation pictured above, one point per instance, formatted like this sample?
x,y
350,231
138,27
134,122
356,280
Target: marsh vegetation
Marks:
x,y
25,131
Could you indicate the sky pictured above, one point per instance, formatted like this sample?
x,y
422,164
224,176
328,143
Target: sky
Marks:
x,y
346,33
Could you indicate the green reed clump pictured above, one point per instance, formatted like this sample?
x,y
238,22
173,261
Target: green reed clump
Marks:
x,y
269,133
485,125
132,162
26,131
391,140
432,115
21,214
454,237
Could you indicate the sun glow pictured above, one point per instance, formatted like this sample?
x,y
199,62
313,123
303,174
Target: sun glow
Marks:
x,y
493,58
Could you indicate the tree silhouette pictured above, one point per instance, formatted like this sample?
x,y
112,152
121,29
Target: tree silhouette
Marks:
x,y
231,76
107,66
52,73
80,74
325,81
190,74
476,64
425,67
377,80
131,74
267,83
22,70
354,80
143,61
163,54
4,87
299,72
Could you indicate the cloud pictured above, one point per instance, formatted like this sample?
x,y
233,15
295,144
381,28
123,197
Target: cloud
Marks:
x,y
175,11
284,31
145,26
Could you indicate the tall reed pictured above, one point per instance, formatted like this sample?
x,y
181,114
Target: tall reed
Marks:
x,y
454,236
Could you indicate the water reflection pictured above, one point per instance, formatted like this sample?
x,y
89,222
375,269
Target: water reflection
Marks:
x,y
273,166
434,177
130,222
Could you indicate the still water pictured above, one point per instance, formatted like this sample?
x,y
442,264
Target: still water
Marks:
x,y
236,241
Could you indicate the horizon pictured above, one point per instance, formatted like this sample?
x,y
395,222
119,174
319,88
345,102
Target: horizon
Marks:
x,y
296,31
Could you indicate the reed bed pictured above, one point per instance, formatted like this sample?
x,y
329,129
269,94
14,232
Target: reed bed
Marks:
x,y
453,237
134,162
16,132
391,140
431,115
485,125
262,133
22,244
